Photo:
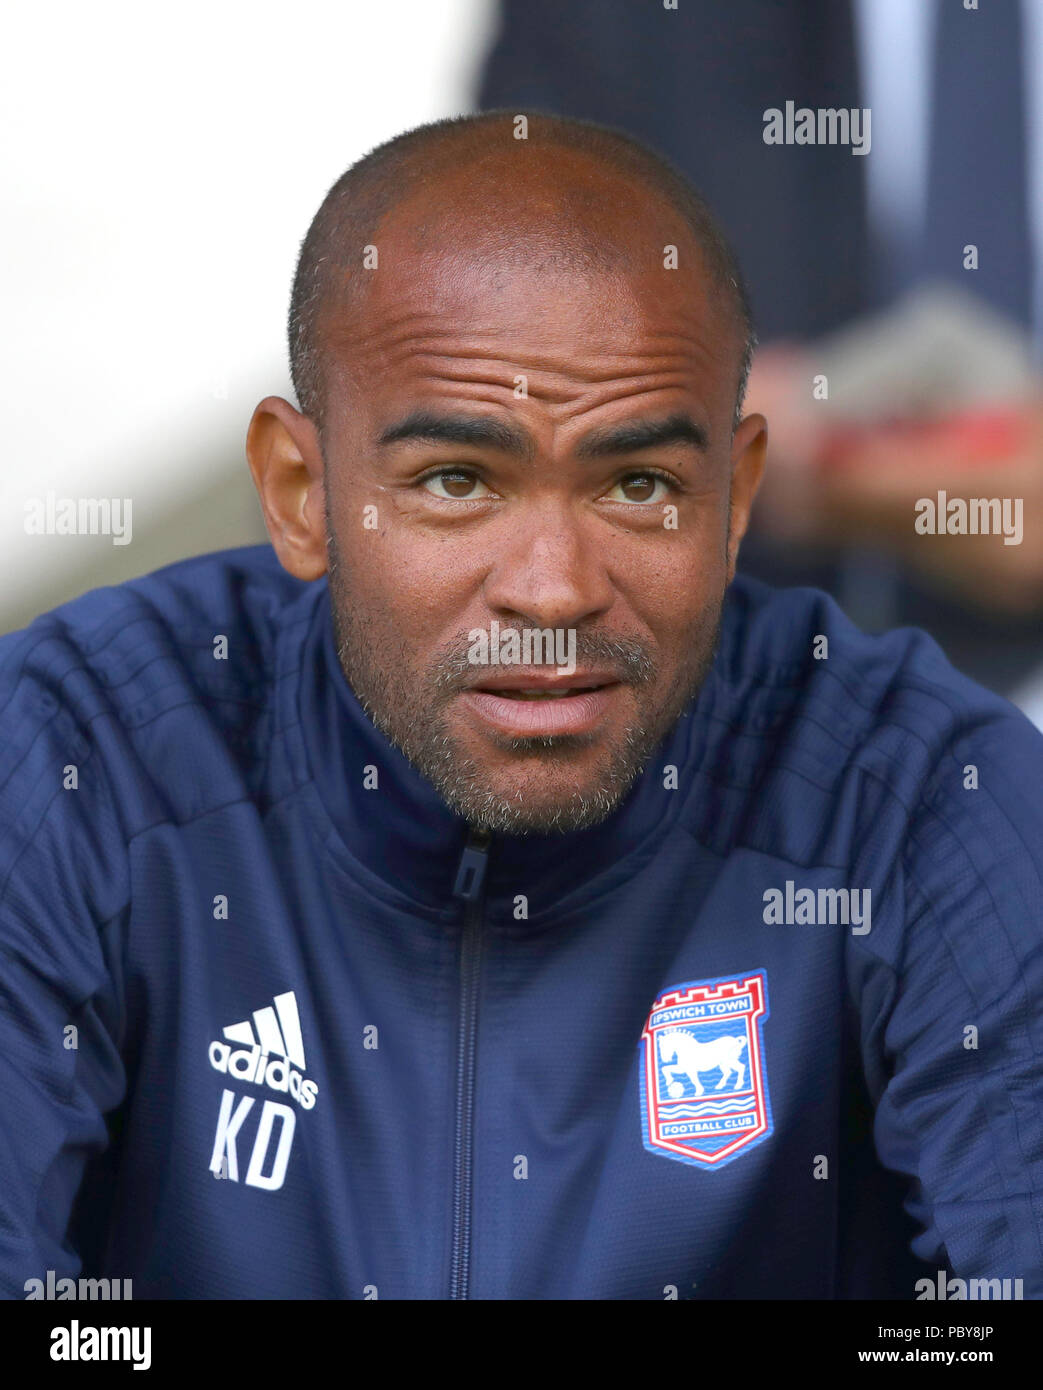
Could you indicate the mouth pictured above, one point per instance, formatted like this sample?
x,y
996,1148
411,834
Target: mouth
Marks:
x,y
510,694
525,705
537,684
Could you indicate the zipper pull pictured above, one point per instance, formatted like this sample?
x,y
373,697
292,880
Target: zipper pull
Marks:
x,y
471,874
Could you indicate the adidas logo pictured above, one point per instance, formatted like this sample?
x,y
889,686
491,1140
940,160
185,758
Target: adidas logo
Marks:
x,y
270,1056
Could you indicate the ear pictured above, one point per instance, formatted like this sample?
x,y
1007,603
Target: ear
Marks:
x,y
285,458
749,449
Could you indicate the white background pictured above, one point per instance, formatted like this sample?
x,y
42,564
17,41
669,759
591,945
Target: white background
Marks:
x,y
161,165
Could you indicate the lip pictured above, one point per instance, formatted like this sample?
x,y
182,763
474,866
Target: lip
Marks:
x,y
570,714
520,679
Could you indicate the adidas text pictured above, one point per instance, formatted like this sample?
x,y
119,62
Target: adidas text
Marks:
x,y
255,1066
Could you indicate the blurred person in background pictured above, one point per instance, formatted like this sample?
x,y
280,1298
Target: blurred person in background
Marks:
x,y
894,281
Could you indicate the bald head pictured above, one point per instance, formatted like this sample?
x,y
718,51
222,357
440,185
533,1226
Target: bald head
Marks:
x,y
571,197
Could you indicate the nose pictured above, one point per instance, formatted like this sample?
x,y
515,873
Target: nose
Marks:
x,y
551,571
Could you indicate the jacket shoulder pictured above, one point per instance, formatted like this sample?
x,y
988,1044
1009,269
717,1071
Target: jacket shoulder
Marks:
x,y
136,704
816,730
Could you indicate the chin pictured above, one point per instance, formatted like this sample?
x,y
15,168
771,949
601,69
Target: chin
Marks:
x,y
550,818
539,805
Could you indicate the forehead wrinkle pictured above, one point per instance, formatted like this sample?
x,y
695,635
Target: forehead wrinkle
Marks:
x,y
567,408
606,382
559,390
627,382
575,410
398,322
674,352
421,342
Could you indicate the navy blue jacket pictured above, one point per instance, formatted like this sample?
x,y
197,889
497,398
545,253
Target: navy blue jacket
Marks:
x,y
270,1030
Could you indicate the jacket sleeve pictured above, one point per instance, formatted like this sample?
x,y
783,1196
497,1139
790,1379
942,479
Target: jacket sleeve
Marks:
x,y
63,887
952,1008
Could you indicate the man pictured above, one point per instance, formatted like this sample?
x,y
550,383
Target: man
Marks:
x,y
523,913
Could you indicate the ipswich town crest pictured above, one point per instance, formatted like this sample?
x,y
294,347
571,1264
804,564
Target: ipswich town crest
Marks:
x,y
704,1088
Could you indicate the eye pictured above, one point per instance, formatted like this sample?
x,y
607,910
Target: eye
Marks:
x,y
456,484
644,487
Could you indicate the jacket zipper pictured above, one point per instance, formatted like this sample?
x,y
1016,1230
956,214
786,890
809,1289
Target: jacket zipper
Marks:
x,y
470,880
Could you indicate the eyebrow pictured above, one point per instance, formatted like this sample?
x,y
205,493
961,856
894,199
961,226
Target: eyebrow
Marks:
x,y
483,431
635,435
461,429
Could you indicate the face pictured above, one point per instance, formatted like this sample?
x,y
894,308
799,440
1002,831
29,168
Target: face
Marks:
x,y
514,450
